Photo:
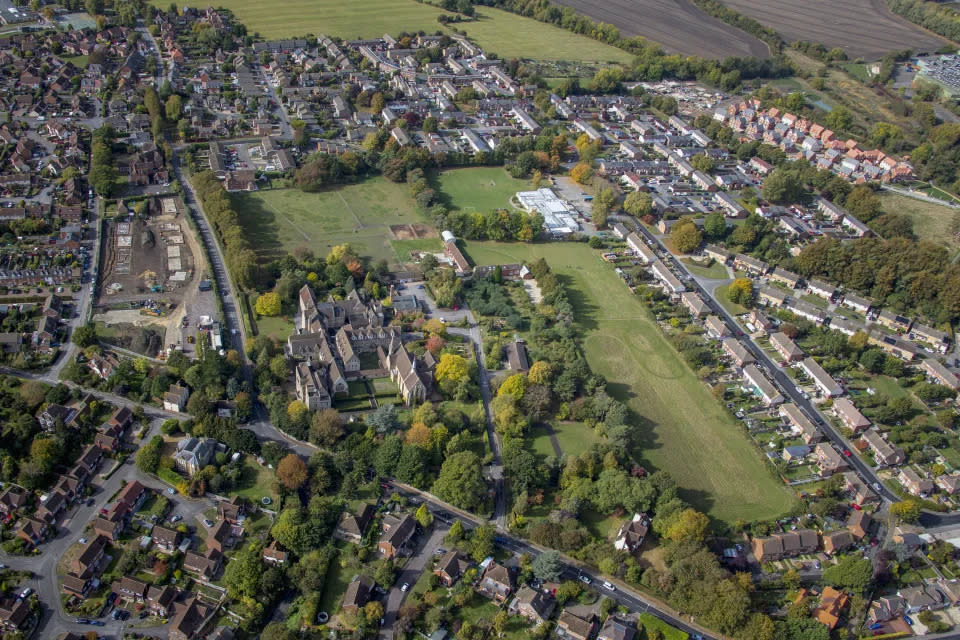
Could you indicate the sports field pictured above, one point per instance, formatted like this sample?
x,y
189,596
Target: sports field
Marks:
x,y
508,35
479,188
931,222
682,429
281,220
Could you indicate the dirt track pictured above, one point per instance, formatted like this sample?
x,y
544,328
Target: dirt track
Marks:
x,y
677,25
862,28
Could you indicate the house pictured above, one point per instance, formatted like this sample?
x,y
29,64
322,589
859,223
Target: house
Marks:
x,y
357,594
121,419
574,627
32,530
851,417
205,566
87,562
939,339
640,248
922,597
194,454
783,276
14,613
694,303
396,533
835,541
166,540
786,347
533,605
857,303
632,533
412,374
950,484
716,328
795,452
822,289
758,384
233,510
785,545
497,582
914,483
670,283
939,374
829,461
894,321
885,454
53,413
719,254
190,620
12,499
219,536
750,264
615,628
133,495
353,525
858,489
737,352
130,589
832,604
51,508
824,381
109,528
75,585
274,555
806,311
886,608
516,353
160,600
859,524
451,566
799,423
771,296
175,399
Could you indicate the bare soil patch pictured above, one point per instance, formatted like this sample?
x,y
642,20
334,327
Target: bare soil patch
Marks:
x,y
414,231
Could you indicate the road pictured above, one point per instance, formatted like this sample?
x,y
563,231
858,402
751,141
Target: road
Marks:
x,y
769,367
920,196
409,574
622,594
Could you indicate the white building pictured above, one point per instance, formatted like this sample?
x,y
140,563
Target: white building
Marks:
x,y
557,216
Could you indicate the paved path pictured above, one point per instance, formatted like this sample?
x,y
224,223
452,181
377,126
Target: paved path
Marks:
x,y
409,575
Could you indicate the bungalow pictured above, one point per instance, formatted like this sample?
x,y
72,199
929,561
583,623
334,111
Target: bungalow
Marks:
x,y
885,454
396,533
694,303
824,381
800,424
516,353
574,627
829,461
771,296
835,541
737,352
923,598
914,483
632,534
785,545
886,608
497,582
750,264
353,525
206,566
716,328
783,276
786,347
533,605
451,567
757,383
357,594
857,303
848,413
822,289
939,374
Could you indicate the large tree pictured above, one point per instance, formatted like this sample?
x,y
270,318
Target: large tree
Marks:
x,y
292,472
548,566
461,482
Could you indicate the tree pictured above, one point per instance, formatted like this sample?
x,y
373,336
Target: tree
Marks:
x,y
715,225
85,336
839,118
326,427
373,612
685,236
243,574
515,385
688,525
384,419
782,186
540,373
174,107
582,173
461,481
292,472
423,516
907,510
740,291
481,543
452,367
548,566
703,162
268,304
638,203
850,573
277,631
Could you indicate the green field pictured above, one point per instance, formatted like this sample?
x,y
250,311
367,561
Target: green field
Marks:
x,y
256,482
931,222
681,428
480,188
280,220
277,327
715,271
651,622
508,35
402,248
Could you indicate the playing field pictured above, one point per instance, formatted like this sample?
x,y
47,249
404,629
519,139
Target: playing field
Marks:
x,y
479,188
508,35
931,222
281,220
681,427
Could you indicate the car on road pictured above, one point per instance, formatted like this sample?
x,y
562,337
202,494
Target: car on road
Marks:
x,y
207,522
82,621
608,586
90,502
847,453
82,541
855,506
585,579
405,586
97,623
26,592
172,491
176,518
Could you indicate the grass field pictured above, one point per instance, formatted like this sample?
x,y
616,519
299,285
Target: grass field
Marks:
x,y
715,271
680,426
277,327
402,248
281,220
508,35
574,437
256,482
651,622
931,222
732,307
480,188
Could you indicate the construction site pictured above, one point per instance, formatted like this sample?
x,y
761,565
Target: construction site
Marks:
x,y
151,274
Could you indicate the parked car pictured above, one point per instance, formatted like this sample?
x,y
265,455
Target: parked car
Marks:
x,y
608,586
207,523
405,586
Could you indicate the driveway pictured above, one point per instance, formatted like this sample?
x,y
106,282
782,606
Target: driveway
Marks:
x,y
409,575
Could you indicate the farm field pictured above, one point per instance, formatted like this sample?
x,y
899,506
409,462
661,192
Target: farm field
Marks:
x,y
681,427
498,31
281,220
931,222
480,188
862,28
676,25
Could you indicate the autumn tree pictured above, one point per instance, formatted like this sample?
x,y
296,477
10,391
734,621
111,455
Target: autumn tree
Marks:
x,y
515,385
326,427
582,173
268,304
540,373
740,291
638,203
685,236
419,435
907,510
292,472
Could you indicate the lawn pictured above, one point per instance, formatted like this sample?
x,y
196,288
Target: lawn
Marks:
x,y
931,222
479,188
732,307
402,248
278,221
715,271
540,442
337,580
574,437
278,327
681,428
81,62
508,35
651,622
256,482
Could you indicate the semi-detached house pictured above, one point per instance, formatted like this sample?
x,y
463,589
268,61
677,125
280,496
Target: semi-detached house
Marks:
x,y
824,381
757,383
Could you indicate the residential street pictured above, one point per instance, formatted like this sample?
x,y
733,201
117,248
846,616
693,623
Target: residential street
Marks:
x,y
409,575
